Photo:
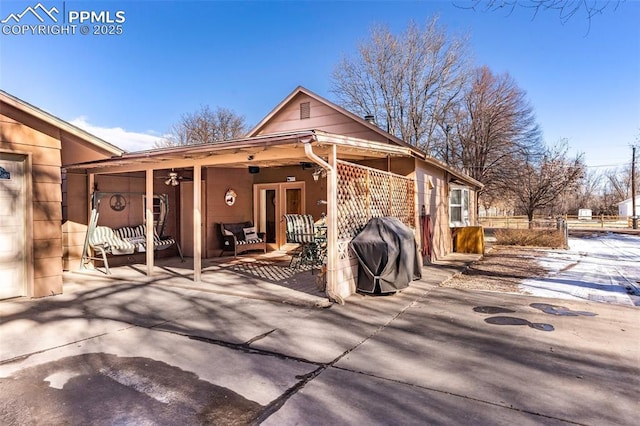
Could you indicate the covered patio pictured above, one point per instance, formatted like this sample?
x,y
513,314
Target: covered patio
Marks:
x,y
329,175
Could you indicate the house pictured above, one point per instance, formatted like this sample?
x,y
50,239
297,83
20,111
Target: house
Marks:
x,y
34,147
307,156
625,208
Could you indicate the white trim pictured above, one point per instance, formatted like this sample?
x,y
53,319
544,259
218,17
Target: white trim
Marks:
x,y
464,213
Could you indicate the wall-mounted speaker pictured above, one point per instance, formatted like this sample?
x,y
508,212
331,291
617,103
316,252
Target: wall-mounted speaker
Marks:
x,y
254,169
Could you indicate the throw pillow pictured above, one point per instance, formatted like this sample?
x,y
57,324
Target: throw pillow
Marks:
x,y
250,233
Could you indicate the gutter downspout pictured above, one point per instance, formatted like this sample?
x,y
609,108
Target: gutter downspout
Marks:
x,y
332,291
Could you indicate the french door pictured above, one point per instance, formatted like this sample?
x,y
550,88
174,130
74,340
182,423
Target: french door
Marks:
x,y
272,201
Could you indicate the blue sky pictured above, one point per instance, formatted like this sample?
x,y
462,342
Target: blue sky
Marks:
x,y
174,56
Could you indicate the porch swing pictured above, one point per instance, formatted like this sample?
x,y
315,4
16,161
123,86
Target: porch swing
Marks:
x,y
101,241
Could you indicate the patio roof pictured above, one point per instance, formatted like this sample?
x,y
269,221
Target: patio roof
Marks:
x,y
274,150
267,151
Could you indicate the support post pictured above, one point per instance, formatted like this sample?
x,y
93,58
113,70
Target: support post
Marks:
x,y
91,181
634,218
148,214
197,223
332,225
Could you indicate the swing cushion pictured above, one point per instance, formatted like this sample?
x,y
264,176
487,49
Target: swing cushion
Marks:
x,y
105,238
136,235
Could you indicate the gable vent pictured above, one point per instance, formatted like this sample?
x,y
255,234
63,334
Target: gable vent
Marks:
x,y
305,110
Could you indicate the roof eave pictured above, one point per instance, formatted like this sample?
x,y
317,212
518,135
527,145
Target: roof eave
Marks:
x,y
189,151
59,123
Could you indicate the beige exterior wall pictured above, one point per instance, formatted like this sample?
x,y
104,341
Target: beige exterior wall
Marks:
x,y
218,181
433,194
321,117
400,166
53,197
22,134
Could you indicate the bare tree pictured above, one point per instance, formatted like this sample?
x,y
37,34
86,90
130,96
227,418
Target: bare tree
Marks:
x,y
588,194
566,9
408,82
619,182
493,126
205,126
540,180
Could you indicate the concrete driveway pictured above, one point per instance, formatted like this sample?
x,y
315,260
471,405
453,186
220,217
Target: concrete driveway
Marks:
x,y
159,354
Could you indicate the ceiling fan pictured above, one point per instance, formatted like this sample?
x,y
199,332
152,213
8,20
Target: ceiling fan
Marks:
x,y
173,178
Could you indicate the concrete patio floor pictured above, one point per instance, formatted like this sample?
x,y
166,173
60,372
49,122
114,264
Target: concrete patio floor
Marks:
x,y
255,276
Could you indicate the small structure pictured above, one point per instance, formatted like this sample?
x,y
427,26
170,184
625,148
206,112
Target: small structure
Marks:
x,y
625,208
585,214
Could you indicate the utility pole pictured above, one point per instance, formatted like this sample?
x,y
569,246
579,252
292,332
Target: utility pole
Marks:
x,y
634,218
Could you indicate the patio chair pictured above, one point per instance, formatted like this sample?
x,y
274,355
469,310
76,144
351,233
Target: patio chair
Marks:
x,y
301,229
241,237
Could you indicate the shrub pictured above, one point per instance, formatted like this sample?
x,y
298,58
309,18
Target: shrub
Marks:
x,y
530,237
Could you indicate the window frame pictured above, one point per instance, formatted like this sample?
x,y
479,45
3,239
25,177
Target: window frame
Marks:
x,y
463,206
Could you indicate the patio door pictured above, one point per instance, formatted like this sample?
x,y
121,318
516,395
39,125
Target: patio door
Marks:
x,y
13,226
272,201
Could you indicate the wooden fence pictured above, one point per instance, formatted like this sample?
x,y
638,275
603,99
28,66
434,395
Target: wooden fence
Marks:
x,y
573,222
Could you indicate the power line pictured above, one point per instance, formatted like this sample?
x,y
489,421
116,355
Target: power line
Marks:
x,y
607,165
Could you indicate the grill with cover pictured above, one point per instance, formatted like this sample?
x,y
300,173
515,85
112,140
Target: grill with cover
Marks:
x,y
388,256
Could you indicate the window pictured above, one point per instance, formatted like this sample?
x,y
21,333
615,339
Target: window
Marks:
x,y
459,207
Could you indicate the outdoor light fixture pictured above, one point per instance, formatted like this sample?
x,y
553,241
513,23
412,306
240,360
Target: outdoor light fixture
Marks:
x,y
319,172
172,180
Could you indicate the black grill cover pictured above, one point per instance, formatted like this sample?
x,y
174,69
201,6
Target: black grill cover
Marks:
x,y
388,256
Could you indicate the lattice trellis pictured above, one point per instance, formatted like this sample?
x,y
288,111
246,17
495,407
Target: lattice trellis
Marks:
x,y
364,193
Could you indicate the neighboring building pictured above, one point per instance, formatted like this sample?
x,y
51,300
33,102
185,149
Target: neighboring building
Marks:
x,y
625,208
307,156
34,146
